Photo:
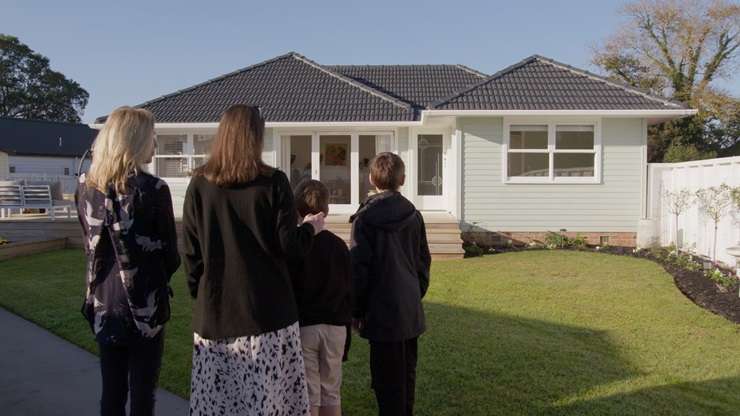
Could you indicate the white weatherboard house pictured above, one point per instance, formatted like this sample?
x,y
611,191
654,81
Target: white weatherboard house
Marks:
x,y
539,146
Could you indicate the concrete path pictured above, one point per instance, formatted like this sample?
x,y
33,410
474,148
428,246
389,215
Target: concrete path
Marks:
x,y
44,375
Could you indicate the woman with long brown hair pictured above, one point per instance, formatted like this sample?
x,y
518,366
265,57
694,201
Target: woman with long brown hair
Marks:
x,y
131,246
239,226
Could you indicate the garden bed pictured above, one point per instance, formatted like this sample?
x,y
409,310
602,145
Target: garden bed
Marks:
x,y
723,301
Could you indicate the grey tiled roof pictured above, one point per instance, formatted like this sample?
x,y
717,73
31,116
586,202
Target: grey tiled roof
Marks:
x,y
44,138
289,87
293,88
539,83
419,85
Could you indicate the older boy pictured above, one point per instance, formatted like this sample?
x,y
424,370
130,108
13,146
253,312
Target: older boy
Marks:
x,y
390,275
321,283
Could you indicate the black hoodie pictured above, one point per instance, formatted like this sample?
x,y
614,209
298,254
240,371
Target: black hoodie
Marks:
x,y
390,268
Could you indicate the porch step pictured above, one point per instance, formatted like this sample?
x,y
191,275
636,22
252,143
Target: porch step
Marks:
x,y
443,234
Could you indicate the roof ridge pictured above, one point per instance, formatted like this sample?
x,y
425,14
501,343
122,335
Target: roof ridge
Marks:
x,y
351,81
483,82
472,71
563,66
614,83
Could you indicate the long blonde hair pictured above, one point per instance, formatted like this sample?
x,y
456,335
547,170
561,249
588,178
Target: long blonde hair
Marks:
x,y
122,146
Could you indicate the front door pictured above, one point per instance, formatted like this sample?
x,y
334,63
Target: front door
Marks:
x,y
339,160
430,171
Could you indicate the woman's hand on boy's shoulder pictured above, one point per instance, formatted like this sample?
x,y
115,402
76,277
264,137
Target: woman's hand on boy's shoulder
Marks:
x,y
317,221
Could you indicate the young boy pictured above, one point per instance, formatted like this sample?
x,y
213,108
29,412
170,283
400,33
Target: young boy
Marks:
x,y
321,282
390,275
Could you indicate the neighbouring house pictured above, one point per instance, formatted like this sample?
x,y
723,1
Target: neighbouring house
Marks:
x,y
43,150
538,146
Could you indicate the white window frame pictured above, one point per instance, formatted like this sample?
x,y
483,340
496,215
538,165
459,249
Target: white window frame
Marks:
x,y
551,124
354,134
187,153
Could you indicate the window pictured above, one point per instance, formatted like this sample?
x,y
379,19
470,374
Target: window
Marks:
x,y
552,153
178,154
169,160
201,148
66,171
11,169
528,151
575,154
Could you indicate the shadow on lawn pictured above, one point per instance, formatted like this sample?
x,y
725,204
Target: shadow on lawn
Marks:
x,y
479,363
691,398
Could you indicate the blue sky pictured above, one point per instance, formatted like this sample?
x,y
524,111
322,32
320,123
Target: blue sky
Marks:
x,y
132,51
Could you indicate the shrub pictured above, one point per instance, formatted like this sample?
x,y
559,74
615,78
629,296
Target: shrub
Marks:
x,y
578,242
717,276
555,240
686,152
473,250
560,240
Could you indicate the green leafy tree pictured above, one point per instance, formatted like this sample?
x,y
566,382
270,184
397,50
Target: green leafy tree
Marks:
x,y
30,89
677,49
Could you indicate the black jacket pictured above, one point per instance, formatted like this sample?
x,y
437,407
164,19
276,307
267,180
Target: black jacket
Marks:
x,y
321,282
236,243
390,268
131,249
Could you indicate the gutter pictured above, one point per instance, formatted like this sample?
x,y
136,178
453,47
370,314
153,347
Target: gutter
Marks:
x,y
672,113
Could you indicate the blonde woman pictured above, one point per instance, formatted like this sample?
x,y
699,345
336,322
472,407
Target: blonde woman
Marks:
x,y
131,247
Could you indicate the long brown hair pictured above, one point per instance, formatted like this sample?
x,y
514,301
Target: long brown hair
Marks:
x,y
236,155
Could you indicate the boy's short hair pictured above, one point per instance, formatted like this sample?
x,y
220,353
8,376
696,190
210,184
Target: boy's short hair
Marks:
x,y
311,197
387,171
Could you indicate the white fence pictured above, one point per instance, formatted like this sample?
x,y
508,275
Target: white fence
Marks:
x,y
695,230
68,183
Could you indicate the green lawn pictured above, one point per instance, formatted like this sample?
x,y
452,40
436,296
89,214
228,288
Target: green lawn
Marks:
x,y
546,332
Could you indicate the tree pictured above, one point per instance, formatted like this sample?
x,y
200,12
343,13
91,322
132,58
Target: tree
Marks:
x,y
715,202
677,202
676,49
30,89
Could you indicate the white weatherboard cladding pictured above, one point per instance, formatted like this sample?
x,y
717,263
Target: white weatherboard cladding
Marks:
x,y
52,166
613,205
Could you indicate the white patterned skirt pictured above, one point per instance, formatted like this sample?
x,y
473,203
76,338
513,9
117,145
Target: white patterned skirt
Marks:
x,y
252,375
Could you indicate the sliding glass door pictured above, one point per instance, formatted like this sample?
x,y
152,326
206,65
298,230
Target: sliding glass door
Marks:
x,y
334,167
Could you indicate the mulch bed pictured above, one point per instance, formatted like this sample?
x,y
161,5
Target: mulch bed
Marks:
x,y
693,284
706,293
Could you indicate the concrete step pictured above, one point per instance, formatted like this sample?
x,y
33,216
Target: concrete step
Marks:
x,y
452,238
443,237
